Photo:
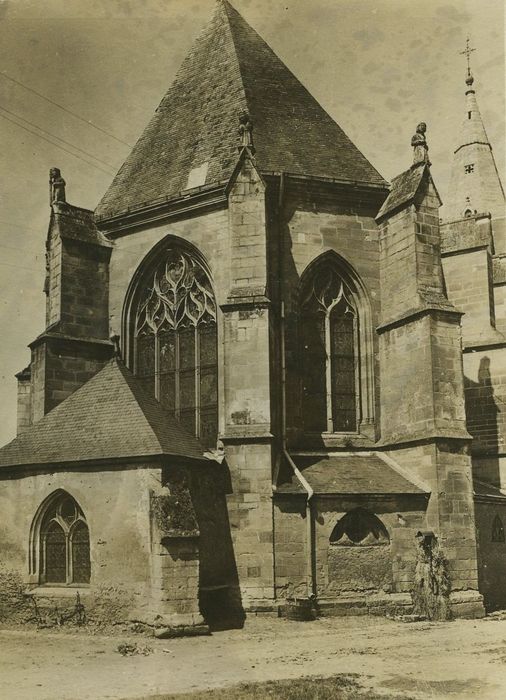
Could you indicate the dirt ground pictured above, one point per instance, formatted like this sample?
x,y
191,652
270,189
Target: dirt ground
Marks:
x,y
458,660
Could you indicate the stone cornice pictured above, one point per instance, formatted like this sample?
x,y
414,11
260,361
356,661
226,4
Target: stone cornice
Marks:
x,y
446,309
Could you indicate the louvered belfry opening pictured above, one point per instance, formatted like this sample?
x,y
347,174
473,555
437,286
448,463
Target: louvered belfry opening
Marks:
x,y
175,342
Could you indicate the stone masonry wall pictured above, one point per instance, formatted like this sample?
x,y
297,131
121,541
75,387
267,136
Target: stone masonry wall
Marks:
x,y
315,221
115,503
491,554
59,367
469,286
485,378
385,568
85,290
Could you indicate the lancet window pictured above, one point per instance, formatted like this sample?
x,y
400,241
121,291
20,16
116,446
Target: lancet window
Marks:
x,y
176,342
330,360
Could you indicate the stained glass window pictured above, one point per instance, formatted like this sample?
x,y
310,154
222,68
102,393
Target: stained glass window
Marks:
x,y
176,342
64,543
329,353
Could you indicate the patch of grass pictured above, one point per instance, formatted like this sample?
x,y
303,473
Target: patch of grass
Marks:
x,y
340,687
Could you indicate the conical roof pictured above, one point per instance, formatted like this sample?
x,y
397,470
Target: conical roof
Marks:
x,y
230,69
109,417
475,186
472,129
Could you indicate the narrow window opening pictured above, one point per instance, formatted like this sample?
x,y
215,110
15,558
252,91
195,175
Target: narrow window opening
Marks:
x,y
497,530
469,115
329,327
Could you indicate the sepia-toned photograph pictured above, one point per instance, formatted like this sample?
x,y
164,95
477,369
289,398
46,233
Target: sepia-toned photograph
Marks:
x,y
252,350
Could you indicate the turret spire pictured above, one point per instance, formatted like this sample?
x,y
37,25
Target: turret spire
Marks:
x,y
475,187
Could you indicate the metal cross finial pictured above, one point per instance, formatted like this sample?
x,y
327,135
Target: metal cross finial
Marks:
x,y
467,52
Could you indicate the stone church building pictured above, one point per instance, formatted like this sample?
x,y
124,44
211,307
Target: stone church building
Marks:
x,y
265,372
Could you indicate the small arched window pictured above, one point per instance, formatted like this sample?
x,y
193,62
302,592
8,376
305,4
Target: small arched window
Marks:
x,y
64,543
175,341
359,527
497,530
330,353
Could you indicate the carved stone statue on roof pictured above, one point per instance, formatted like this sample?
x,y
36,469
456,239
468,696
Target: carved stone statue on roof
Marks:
x,y
56,186
246,132
419,143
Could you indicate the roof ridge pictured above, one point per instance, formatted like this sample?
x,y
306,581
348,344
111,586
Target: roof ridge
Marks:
x,y
192,139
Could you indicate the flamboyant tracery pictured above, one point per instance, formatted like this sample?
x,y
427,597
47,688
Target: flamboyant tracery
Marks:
x,y
176,343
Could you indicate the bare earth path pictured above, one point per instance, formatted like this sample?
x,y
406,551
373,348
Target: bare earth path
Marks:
x,y
457,660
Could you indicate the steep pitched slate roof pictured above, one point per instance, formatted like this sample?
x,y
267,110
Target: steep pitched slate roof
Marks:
x,y
405,188
109,417
231,69
349,475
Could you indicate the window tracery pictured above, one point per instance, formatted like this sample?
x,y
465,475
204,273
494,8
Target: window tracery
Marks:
x,y
329,353
64,543
176,342
359,527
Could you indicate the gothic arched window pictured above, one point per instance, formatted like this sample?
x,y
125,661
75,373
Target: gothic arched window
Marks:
x,y
175,342
497,530
330,359
64,543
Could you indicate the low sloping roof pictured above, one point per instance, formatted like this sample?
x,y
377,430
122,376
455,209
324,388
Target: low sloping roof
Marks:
x,y
109,417
483,489
230,69
349,474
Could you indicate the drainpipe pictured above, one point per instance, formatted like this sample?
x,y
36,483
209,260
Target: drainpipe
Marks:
x,y
310,559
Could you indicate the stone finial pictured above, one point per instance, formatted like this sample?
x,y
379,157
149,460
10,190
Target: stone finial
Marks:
x,y
56,186
117,350
246,132
419,143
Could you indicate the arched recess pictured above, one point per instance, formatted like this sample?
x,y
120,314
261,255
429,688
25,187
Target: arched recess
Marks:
x,y
170,334
336,347
59,546
497,530
359,554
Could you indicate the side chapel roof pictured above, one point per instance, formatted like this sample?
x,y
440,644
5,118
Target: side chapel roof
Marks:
x,y
109,417
230,70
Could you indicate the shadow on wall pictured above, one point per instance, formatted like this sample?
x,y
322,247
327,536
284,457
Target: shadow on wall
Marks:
x,y
219,592
482,420
482,411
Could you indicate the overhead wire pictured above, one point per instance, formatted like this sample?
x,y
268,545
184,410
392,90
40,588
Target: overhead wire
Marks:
x,y
58,138
53,143
65,109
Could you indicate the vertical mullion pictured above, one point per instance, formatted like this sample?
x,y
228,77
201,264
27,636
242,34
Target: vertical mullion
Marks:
x,y
197,382
157,366
356,352
177,369
68,554
328,373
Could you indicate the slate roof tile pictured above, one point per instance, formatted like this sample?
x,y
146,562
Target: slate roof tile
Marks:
x,y
109,417
349,475
231,69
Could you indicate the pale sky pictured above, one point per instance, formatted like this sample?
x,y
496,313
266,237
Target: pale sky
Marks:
x,y
377,66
